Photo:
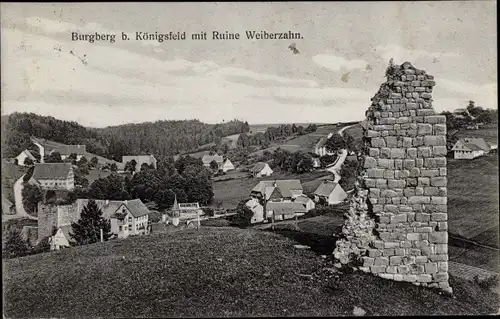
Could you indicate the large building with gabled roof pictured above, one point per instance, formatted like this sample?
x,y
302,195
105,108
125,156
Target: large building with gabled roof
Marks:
x,y
54,176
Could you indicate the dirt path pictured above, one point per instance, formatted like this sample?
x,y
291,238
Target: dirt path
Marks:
x,y
18,196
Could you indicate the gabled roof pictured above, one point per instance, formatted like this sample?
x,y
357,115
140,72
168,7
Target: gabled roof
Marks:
x,y
135,206
285,208
326,188
227,161
108,207
51,171
286,187
70,149
472,143
258,167
207,159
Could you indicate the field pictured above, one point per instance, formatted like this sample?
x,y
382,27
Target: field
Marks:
x,y
304,143
488,132
214,272
231,192
473,198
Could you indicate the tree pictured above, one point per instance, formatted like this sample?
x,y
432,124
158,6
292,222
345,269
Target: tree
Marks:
x,y
243,141
113,167
164,198
81,181
32,195
335,143
130,166
54,157
28,161
243,216
214,166
87,230
94,161
83,161
15,245
72,158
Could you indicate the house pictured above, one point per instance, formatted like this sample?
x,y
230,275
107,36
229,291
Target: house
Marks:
x,y
61,238
139,159
23,156
285,210
67,150
207,159
277,190
261,169
54,176
330,192
8,208
130,218
469,148
257,209
320,147
227,166
306,201
55,217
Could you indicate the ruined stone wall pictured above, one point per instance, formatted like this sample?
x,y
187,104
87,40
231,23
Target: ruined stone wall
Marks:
x,y
47,219
397,222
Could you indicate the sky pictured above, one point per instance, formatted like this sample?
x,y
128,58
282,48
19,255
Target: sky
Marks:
x,y
344,51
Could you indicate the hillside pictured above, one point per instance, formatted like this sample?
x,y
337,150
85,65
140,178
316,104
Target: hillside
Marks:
x,y
213,272
160,138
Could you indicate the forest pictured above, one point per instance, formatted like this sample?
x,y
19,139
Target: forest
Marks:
x,y
160,138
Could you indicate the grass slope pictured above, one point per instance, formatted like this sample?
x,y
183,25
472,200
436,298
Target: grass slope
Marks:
x,y
473,198
212,272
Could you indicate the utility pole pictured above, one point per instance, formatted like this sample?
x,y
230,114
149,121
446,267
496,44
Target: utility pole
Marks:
x,y
102,235
198,222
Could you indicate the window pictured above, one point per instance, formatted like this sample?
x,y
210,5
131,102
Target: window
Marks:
x,y
123,210
129,227
120,228
130,218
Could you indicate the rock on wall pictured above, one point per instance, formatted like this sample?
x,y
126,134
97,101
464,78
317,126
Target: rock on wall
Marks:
x,y
396,227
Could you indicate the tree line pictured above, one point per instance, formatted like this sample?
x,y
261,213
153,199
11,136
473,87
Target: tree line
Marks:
x,y
159,138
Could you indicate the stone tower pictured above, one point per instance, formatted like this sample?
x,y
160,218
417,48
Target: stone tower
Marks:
x,y
397,223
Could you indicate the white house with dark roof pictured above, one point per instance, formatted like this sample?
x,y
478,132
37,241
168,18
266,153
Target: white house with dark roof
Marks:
x,y
130,218
261,169
330,192
54,176
140,159
23,156
469,148
227,166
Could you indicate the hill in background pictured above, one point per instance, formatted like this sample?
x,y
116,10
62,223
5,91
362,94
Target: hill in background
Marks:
x,y
160,138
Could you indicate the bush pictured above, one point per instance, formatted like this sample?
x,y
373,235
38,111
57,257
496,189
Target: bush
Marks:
x,y
15,245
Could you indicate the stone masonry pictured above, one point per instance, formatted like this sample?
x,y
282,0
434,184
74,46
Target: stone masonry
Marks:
x,y
396,227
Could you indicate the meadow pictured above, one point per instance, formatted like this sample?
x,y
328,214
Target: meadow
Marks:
x,y
214,272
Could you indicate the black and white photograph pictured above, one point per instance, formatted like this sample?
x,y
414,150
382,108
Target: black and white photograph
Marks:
x,y
249,159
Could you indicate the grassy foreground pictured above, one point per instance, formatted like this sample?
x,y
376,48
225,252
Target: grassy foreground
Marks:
x,y
213,272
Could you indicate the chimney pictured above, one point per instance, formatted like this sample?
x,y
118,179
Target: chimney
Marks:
x,y
125,202
107,201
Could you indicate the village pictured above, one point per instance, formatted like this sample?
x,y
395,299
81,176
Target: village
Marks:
x,y
271,199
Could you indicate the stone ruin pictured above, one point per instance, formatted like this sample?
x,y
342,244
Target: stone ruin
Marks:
x,y
396,226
